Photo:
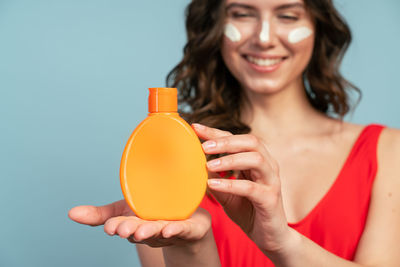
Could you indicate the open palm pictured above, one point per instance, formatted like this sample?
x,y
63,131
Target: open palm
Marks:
x,y
119,219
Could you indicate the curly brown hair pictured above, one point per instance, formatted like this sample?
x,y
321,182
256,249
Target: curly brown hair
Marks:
x,y
208,92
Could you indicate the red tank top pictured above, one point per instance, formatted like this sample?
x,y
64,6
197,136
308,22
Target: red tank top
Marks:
x,y
336,223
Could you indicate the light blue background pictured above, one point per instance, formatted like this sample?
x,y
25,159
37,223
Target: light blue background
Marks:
x,y
73,85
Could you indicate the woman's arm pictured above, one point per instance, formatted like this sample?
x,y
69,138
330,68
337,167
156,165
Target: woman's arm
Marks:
x,y
379,245
150,257
201,253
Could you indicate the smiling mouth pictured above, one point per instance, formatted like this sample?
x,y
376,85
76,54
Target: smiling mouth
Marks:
x,y
264,62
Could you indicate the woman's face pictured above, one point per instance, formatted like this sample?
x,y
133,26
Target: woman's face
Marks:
x,y
267,44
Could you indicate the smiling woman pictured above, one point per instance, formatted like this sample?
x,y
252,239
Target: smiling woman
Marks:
x,y
244,58
252,61
260,82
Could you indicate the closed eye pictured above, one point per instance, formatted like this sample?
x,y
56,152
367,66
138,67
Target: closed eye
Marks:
x,y
241,15
287,17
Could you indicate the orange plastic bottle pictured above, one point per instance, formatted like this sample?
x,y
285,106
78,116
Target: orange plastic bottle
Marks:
x,y
163,168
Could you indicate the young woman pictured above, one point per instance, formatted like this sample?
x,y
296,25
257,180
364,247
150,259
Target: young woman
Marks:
x,y
306,188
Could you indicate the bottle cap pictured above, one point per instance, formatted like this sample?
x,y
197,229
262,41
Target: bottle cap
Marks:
x,y
163,99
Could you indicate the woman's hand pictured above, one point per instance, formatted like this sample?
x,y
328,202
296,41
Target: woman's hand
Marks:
x,y
253,201
118,219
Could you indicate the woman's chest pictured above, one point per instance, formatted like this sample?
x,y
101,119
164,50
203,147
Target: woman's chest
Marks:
x,y
307,177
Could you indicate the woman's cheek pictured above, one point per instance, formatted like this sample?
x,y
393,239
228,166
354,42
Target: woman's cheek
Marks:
x,y
237,34
232,33
296,38
299,34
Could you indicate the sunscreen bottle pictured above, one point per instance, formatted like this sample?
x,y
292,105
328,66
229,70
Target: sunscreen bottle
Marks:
x,y
163,170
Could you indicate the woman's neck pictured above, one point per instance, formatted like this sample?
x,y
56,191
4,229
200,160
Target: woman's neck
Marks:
x,y
286,113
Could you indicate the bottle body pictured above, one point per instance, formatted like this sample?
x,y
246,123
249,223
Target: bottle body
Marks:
x,y
163,171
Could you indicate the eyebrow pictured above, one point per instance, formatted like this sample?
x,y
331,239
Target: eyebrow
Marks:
x,y
281,7
290,5
233,5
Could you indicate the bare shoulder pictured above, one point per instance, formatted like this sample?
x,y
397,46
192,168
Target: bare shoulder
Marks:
x,y
389,144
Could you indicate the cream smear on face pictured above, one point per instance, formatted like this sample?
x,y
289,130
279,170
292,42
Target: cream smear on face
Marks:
x,y
299,34
264,34
232,33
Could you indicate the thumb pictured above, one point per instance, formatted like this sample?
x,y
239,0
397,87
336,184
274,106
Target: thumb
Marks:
x,y
94,216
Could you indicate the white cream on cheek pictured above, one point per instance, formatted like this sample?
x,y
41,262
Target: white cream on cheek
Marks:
x,y
232,33
264,34
299,34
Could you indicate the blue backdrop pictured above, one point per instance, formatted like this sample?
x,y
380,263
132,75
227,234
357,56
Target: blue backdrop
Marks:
x,y
73,85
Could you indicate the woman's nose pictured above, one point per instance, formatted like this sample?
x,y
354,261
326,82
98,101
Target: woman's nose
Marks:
x,y
263,35
265,32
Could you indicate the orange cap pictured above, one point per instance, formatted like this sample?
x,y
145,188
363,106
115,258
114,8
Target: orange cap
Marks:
x,y
163,99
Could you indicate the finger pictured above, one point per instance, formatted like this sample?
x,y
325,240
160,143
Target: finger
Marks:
x,y
234,144
256,193
149,229
111,225
193,228
125,226
154,235
93,215
240,143
207,133
172,229
181,233
261,170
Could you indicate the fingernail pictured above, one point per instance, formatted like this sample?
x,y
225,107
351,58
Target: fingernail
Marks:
x,y
214,182
213,163
209,144
198,126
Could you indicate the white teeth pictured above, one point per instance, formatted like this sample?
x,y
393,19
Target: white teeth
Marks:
x,y
263,62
